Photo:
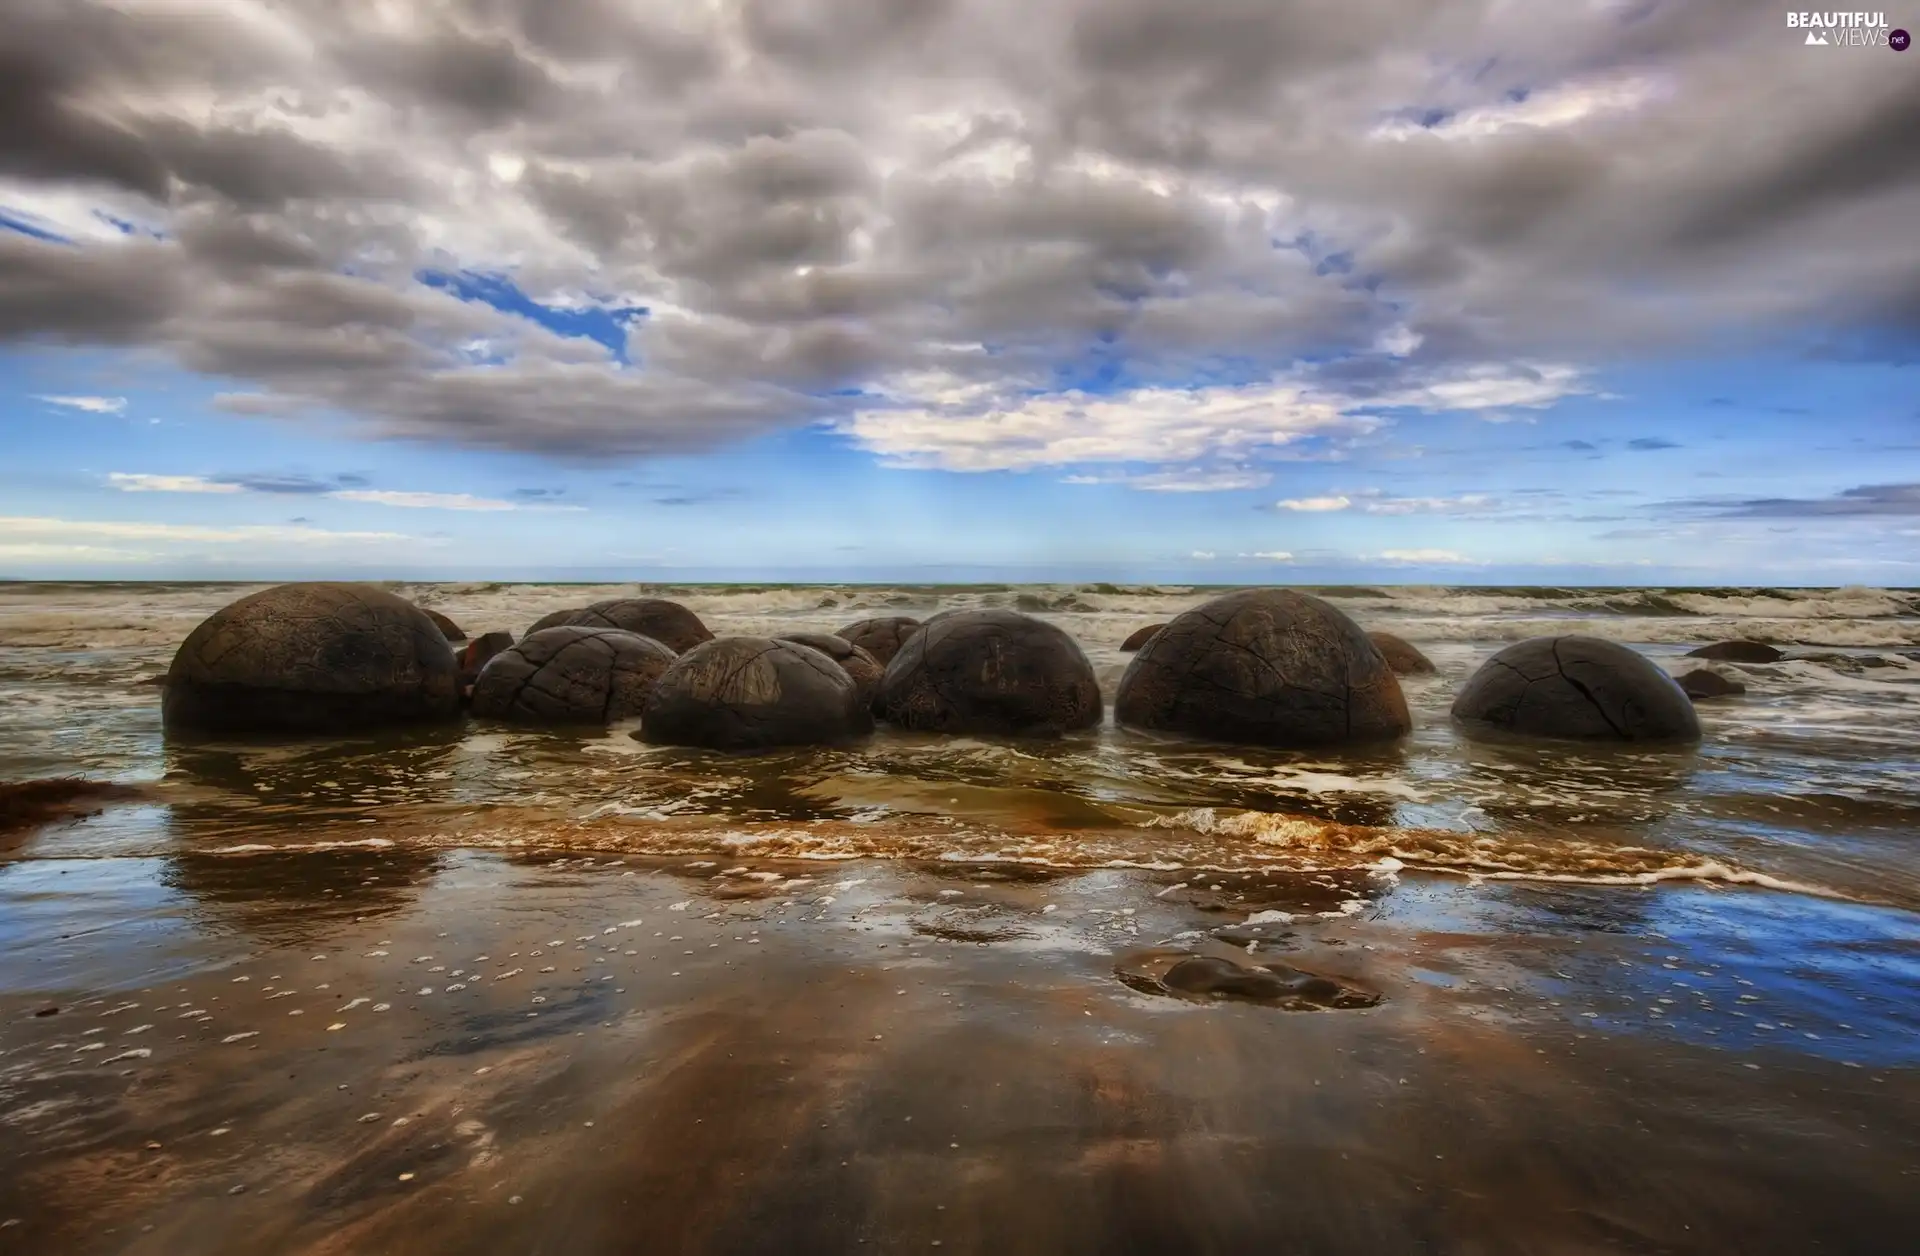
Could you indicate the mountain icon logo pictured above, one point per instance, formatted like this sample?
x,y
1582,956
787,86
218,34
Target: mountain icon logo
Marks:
x,y
1816,38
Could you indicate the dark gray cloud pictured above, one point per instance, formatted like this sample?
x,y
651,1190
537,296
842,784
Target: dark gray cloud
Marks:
x,y
1585,446
293,485
1647,444
1866,501
954,205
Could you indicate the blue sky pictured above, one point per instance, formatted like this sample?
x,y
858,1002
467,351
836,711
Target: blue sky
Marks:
x,y
1446,324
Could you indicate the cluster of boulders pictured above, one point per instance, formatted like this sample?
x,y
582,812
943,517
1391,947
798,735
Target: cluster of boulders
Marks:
x,y
1266,667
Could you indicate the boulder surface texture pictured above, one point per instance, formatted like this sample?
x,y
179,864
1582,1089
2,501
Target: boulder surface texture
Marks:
x,y
1266,667
990,671
312,658
754,693
571,675
1575,688
856,662
881,638
669,623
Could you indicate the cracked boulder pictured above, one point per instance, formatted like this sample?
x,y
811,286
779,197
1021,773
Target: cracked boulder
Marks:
x,y
882,638
1264,667
1574,688
1139,638
571,675
990,671
312,658
669,623
753,693
477,653
856,662
1401,656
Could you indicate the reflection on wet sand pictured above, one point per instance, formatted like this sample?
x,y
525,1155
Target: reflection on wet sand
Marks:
x,y
587,1054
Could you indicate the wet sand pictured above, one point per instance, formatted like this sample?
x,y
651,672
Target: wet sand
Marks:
x,y
463,1052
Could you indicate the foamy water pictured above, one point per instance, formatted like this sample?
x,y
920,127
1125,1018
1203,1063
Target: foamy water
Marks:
x,y
1807,783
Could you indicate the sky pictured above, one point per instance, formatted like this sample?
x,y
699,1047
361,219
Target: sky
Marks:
x,y
1206,291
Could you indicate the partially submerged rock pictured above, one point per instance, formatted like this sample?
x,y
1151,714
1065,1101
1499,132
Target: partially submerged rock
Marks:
x,y
1214,978
669,623
29,804
1268,667
1738,652
451,630
571,675
310,658
1139,637
856,662
995,671
1574,688
883,637
752,693
1703,684
1401,655
477,654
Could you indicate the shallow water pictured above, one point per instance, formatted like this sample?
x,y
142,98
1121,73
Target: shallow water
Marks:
x,y
1577,948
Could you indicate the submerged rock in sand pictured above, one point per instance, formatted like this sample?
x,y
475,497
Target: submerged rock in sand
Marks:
x,y
990,672
571,675
319,657
1707,684
1267,667
1401,656
1139,637
1208,978
669,623
882,637
856,662
751,693
1738,652
1575,688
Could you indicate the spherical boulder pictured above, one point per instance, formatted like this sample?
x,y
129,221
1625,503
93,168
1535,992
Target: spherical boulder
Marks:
x,y
449,629
1402,657
1266,667
752,693
1574,688
991,671
881,638
1702,684
312,658
477,653
856,662
571,675
669,623
1139,638
1738,652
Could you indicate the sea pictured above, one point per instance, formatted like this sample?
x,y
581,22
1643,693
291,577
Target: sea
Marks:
x,y
1757,895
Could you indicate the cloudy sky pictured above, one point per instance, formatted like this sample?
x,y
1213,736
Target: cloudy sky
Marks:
x,y
1603,291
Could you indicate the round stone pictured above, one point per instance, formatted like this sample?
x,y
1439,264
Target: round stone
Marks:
x,y
1401,656
571,675
1738,652
669,623
856,662
451,630
1574,688
753,693
311,658
990,671
882,638
1139,637
1265,667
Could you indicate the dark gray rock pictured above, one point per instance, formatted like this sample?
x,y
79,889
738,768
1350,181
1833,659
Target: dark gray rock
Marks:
x,y
856,662
1574,688
312,658
990,672
477,654
669,623
882,638
556,619
451,630
1139,638
1266,667
1703,684
1738,652
571,675
1208,978
1401,656
752,693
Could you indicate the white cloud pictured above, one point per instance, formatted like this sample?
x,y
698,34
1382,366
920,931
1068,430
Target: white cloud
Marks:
x,y
135,482
1490,387
1550,109
30,551
1191,480
92,405
57,531
1202,555
1314,505
1374,503
1423,557
1271,556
